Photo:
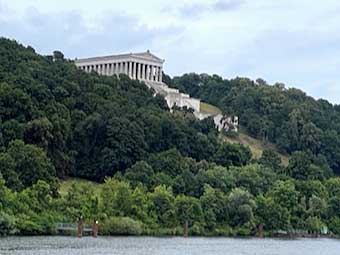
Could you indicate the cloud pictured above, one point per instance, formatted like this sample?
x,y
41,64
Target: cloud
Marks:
x,y
290,41
198,10
70,32
227,5
192,10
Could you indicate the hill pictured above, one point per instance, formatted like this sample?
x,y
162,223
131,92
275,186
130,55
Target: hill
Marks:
x,y
71,123
287,118
158,170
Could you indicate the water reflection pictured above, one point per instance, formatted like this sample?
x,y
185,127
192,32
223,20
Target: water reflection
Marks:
x,y
165,246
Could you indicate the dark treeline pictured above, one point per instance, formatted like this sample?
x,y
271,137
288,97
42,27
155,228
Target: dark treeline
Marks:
x,y
157,169
287,117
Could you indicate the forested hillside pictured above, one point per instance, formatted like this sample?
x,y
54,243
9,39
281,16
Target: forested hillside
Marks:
x,y
59,121
156,169
286,117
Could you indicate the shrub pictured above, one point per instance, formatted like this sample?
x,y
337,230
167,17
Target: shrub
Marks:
x,y
7,224
334,226
121,226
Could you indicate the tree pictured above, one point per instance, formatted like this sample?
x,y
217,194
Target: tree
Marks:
x,y
39,132
241,206
285,194
142,206
314,224
254,178
217,177
270,214
230,154
188,209
58,56
214,207
81,200
310,137
300,166
333,186
140,173
31,163
116,198
269,158
317,206
164,206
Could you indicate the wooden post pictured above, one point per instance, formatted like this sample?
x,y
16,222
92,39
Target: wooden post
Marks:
x,y
260,230
80,226
95,228
185,230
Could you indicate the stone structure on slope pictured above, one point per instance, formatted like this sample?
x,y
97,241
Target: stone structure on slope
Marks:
x,y
145,67
148,68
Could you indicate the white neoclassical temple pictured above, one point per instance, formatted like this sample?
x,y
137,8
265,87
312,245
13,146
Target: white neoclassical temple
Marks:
x,y
140,66
148,68
143,66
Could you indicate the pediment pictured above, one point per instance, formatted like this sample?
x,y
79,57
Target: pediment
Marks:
x,y
148,55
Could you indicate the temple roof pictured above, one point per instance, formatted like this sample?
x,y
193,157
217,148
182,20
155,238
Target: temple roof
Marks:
x,y
142,56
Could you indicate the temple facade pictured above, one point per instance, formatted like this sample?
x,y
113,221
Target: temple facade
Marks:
x,y
148,68
140,66
145,67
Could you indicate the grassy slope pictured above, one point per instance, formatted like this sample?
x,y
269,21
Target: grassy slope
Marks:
x,y
65,185
256,146
208,108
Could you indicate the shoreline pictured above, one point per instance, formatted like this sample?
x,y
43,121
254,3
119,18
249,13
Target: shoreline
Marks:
x,y
281,237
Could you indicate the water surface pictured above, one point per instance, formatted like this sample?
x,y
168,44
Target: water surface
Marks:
x,y
165,246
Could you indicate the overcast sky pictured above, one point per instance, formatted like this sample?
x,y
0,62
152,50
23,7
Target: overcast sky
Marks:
x,y
296,42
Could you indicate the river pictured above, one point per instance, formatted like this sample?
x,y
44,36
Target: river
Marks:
x,y
165,246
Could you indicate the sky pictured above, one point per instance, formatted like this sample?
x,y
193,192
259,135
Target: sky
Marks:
x,y
296,42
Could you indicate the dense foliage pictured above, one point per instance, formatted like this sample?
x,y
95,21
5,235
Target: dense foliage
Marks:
x,y
287,117
158,169
58,121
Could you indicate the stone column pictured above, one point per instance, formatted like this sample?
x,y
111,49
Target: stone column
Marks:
x,y
138,71
160,74
133,70
156,73
126,67
149,72
111,69
129,69
143,71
